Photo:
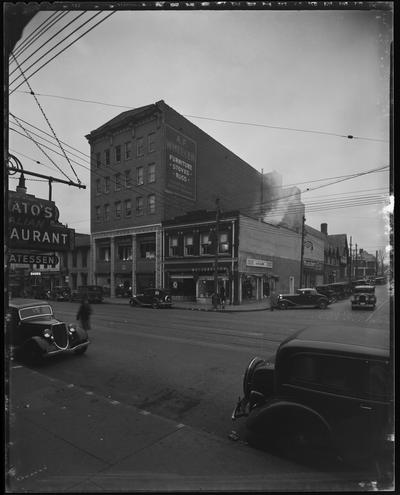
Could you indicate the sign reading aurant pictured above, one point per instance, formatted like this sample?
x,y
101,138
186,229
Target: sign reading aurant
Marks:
x,y
181,164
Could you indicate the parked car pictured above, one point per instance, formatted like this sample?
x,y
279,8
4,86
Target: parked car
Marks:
x,y
342,289
60,293
324,391
94,293
155,298
122,290
303,298
326,291
33,333
363,297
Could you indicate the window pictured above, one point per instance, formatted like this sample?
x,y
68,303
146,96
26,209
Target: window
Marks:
x,y
98,213
104,253
205,243
128,208
151,203
125,253
151,172
139,147
173,245
139,205
118,209
98,186
84,279
151,143
128,179
117,153
106,212
189,245
74,259
107,157
84,258
148,250
118,184
128,150
223,246
106,184
139,176
98,160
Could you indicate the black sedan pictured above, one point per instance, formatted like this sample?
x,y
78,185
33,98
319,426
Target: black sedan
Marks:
x,y
154,298
303,298
34,334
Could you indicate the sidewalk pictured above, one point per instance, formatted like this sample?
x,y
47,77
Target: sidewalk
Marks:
x,y
262,305
64,438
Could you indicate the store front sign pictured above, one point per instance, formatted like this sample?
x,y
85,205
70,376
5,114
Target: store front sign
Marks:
x,y
258,263
47,239
37,259
180,163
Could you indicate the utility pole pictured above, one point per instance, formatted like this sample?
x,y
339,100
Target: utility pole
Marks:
x,y
216,246
350,261
302,252
356,265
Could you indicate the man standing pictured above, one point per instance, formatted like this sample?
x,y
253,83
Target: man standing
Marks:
x,y
84,313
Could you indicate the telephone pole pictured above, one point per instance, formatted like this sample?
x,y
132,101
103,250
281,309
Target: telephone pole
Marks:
x,y
350,260
216,246
302,253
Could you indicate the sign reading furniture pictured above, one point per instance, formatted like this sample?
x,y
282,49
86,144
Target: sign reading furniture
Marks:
x,y
33,224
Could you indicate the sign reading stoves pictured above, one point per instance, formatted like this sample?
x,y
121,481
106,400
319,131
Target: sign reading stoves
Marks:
x,y
181,164
33,224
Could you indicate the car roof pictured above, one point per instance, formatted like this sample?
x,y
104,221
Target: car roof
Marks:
x,y
22,303
358,340
363,287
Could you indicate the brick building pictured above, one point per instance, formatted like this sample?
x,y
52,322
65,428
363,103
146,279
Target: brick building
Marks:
x,y
336,254
253,257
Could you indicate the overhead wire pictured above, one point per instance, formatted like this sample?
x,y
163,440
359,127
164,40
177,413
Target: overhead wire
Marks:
x,y
65,48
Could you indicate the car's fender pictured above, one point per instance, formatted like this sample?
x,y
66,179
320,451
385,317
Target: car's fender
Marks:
x,y
282,410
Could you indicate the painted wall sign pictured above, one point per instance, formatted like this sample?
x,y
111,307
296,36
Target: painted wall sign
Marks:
x,y
29,259
180,163
259,263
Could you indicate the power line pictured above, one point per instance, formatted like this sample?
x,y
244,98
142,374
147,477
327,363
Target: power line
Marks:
x,y
61,51
347,136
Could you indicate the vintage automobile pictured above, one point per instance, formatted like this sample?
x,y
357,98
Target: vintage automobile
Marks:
x,y
94,293
123,290
326,389
342,289
363,297
34,334
303,298
325,290
60,293
155,298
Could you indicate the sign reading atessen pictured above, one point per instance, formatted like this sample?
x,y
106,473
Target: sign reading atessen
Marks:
x,y
33,224
181,164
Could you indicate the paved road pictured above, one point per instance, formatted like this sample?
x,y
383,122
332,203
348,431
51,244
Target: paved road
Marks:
x,y
188,366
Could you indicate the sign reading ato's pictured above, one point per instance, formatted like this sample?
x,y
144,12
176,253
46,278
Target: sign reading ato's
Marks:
x,y
33,224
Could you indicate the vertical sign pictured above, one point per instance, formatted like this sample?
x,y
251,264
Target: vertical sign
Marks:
x,y
181,164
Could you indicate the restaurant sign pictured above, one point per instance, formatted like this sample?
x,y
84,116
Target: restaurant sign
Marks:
x,y
33,225
180,163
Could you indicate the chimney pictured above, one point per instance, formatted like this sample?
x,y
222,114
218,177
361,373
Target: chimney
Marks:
x,y
21,188
324,228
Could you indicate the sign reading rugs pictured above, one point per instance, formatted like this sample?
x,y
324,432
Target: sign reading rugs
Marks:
x,y
33,224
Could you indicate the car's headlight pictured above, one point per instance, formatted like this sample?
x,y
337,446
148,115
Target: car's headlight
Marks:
x,y
71,328
47,334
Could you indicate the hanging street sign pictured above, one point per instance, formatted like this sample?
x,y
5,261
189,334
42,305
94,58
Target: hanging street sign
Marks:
x,y
30,259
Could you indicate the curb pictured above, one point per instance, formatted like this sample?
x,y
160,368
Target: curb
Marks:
x,y
210,310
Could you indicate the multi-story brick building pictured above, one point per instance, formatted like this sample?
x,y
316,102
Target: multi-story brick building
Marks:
x,y
151,164
77,261
253,257
336,254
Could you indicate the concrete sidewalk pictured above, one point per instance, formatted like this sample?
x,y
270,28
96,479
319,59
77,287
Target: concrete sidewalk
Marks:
x,y
64,438
262,305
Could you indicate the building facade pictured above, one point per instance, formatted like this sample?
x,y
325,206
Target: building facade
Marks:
x,y
77,262
313,257
337,257
247,257
364,265
149,165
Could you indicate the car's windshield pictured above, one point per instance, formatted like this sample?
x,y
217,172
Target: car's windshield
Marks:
x,y
35,311
364,289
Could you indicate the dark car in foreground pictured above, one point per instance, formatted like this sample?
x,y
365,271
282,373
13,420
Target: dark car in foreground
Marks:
x,y
34,334
94,293
363,297
303,298
154,298
325,390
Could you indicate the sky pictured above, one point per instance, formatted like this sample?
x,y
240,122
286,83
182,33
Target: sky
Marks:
x,y
293,84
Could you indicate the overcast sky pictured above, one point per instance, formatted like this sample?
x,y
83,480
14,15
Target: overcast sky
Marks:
x,y
287,71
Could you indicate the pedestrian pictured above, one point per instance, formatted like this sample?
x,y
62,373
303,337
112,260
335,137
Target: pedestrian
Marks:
x,y
272,300
215,300
84,313
222,296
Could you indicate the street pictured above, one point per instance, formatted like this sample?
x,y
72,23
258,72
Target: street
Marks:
x,y
187,366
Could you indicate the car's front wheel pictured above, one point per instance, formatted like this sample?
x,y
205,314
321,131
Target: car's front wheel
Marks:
x,y
81,351
322,305
282,305
155,304
32,354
